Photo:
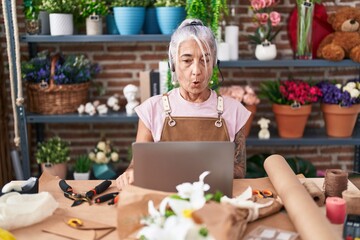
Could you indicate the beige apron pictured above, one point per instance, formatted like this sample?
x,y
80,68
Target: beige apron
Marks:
x,y
194,128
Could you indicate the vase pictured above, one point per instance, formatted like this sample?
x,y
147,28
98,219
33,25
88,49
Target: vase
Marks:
x,y
61,24
94,25
59,169
103,171
82,176
169,18
265,51
339,121
291,121
247,126
232,38
304,30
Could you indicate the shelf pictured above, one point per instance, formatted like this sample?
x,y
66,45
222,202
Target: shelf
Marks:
x,y
95,38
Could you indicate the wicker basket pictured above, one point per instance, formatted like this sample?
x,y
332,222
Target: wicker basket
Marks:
x,y
56,99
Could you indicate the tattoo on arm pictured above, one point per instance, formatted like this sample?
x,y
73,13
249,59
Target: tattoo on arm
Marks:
x,y
240,155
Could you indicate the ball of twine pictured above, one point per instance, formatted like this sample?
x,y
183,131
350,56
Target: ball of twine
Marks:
x,y
335,182
352,199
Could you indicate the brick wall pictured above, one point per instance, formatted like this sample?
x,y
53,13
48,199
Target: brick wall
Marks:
x,y
121,63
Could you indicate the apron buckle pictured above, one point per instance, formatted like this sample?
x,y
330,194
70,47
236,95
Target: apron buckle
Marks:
x,y
218,123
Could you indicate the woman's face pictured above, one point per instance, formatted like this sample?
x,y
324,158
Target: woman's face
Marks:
x,y
190,68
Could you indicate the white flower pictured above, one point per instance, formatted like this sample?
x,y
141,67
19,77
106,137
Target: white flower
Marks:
x,y
114,157
338,85
101,146
101,157
92,156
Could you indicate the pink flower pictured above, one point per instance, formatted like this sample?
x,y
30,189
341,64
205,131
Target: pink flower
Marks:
x,y
262,18
245,94
258,4
275,18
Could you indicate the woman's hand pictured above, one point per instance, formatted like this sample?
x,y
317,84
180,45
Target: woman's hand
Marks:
x,y
125,179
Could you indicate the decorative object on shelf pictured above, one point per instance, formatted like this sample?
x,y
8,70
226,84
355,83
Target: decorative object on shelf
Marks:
x,y
53,155
246,95
82,168
45,23
320,28
232,35
264,132
170,14
61,16
345,41
31,12
151,23
291,104
57,84
111,27
131,94
93,11
265,20
265,51
129,16
113,102
102,155
340,105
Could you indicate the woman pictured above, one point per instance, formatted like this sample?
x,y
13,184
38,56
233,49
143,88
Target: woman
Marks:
x,y
192,112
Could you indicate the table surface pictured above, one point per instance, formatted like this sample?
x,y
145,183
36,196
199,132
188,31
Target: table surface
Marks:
x,y
107,214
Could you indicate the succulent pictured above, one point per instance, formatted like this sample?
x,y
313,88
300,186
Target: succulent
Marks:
x,y
82,164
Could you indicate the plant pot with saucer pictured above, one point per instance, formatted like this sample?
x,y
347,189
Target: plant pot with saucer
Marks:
x,y
82,168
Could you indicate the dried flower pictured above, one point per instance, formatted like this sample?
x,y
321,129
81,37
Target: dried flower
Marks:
x,y
265,20
103,153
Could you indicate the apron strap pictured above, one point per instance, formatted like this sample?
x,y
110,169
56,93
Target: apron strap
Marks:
x,y
220,110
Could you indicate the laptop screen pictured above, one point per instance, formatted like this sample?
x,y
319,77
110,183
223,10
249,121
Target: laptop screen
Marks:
x,y
164,165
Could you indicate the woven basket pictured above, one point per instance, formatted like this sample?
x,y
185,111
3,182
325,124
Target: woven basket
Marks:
x,y
56,99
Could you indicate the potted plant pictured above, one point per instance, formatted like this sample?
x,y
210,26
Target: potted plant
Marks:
x,y
52,80
340,105
53,155
31,12
102,155
129,15
151,23
291,103
82,168
246,95
60,15
170,13
93,11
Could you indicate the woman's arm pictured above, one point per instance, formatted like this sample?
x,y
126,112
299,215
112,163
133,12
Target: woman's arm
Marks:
x,y
240,155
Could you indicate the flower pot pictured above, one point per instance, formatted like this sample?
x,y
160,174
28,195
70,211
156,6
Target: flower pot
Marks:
x,y
61,24
103,171
45,25
94,25
247,127
129,20
169,18
59,169
111,25
82,176
33,26
339,121
265,51
291,121
151,25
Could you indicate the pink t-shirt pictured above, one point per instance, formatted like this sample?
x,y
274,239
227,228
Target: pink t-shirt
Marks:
x,y
151,112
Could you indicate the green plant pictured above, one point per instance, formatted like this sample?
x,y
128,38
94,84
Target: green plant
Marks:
x,y
60,6
82,164
255,166
130,3
53,151
170,3
31,9
91,7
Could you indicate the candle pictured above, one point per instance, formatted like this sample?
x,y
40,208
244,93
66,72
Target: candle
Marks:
x,y
223,52
232,38
335,210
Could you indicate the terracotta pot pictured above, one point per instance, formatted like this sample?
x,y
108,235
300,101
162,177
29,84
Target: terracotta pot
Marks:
x,y
59,169
247,127
291,121
339,121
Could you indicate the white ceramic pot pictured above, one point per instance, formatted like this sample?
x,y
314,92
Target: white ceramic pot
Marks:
x,y
82,176
94,25
264,52
61,24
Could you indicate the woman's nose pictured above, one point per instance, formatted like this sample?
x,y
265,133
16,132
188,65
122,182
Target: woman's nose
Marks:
x,y
196,68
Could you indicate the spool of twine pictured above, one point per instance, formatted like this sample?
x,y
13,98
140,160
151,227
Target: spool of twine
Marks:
x,y
352,199
315,192
335,182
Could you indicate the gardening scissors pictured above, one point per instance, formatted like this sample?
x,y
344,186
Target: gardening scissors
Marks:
x,y
79,198
263,193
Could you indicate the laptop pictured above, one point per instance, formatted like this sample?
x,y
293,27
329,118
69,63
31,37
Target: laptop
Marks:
x,y
164,165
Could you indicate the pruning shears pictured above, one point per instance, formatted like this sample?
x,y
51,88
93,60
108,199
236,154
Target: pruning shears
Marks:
x,y
263,193
80,198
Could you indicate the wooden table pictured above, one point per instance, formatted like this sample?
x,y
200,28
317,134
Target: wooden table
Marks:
x,y
106,214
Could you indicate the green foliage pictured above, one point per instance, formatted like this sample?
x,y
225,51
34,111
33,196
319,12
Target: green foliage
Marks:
x,y
54,150
170,3
130,3
208,11
90,7
60,6
32,9
271,90
82,164
255,166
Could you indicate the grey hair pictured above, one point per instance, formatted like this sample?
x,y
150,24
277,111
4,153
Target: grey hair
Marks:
x,y
192,29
